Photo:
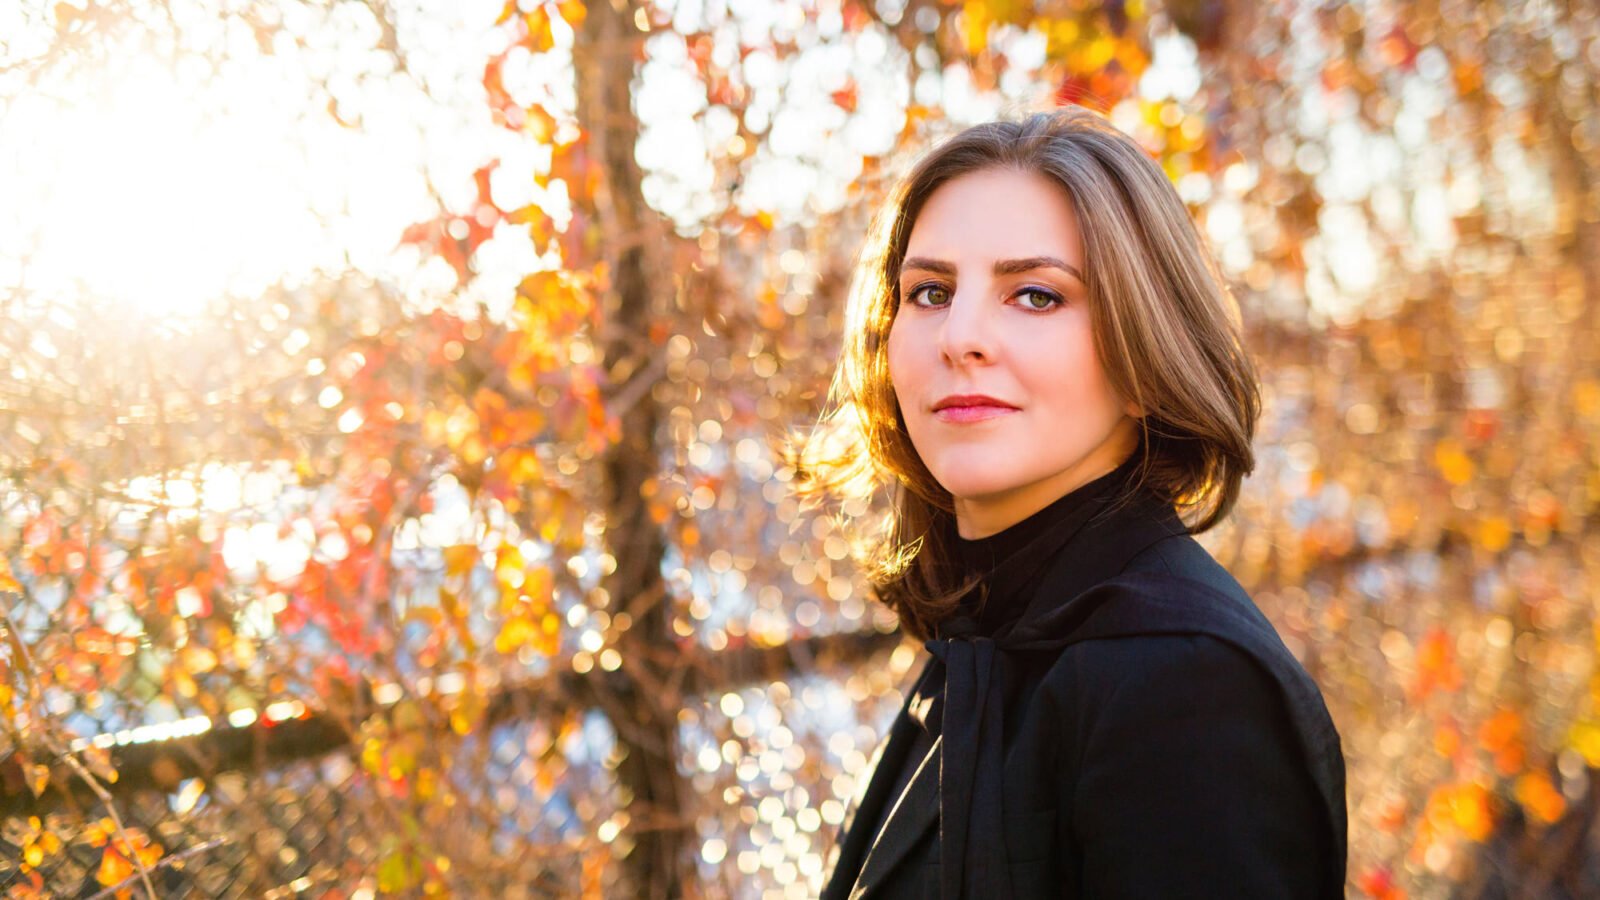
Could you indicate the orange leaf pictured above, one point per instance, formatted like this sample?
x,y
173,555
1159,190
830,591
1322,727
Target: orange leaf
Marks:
x,y
1537,795
539,37
38,778
8,582
573,11
459,558
114,867
845,97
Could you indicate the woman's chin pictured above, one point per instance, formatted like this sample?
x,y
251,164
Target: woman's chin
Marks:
x,y
978,491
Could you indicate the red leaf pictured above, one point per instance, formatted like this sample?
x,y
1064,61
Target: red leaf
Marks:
x,y
481,179
846,97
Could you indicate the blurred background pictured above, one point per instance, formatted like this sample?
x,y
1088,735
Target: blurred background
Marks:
x,y
392,397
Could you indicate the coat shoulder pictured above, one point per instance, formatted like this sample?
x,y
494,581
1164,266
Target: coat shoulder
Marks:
x,y
1183,557
1092,674
1174,628
1170,673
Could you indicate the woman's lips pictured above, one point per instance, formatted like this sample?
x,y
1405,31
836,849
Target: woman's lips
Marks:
x,y
971,413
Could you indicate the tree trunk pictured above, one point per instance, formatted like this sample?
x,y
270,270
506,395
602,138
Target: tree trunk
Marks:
x,y
655,836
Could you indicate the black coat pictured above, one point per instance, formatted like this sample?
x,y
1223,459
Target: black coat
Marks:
x,y
1140,731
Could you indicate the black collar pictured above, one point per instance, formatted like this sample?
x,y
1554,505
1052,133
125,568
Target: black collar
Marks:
x,y
1012,561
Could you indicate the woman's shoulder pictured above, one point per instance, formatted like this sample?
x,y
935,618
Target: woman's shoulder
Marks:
x,y
1183,676
1176,630
1182,558
1167,674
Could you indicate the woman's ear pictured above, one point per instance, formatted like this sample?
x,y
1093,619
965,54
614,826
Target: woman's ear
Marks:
x,y
1133,410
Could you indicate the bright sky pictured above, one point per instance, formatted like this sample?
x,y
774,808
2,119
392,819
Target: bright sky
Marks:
x,y
144,184
156,187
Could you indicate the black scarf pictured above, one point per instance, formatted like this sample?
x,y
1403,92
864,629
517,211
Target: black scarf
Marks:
x,y
1032,606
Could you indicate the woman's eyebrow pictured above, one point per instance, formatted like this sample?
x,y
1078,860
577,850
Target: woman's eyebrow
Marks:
x,y
1001,267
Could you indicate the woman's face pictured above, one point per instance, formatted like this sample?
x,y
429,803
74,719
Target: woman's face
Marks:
x,y
992,302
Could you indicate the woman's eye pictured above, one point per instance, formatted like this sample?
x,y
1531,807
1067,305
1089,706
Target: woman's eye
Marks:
x,y
916,292
1050,299
1044,300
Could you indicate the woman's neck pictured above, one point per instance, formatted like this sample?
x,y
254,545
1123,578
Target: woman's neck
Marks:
x,y
981,517
984,552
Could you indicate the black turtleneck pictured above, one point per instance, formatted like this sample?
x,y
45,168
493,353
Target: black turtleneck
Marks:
x,y
1010,561
1007,559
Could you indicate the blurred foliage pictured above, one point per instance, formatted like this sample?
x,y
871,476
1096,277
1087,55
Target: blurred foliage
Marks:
x,y
328,589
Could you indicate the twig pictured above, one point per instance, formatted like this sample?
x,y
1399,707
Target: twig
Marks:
x,y
72,760
173,860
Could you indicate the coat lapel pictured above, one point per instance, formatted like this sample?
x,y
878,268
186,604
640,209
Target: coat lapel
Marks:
x,y
858,841
1100,546
916,812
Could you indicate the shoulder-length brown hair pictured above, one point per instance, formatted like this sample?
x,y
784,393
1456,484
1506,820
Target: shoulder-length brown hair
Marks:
x,y
1165,327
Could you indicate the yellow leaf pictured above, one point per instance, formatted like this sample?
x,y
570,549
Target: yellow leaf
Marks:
x,y
1453,463
429,615
1059,36
399,872
184,684
1585,400
523,467
1494,533
975,27
1094,57
1537,795
38,778
1584,737
459,558
372,756
574,11
8,582
116,863
97,833
469,708
541,127
197,659
507,559
66,14
114,867
435,426
550,528
513,634
539,585
539,38
1469,807
526,214
402,761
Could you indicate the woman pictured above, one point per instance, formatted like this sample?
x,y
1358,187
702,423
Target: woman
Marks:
x,y
1042,358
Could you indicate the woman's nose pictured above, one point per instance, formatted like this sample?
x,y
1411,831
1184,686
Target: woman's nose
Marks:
x,y
964,334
